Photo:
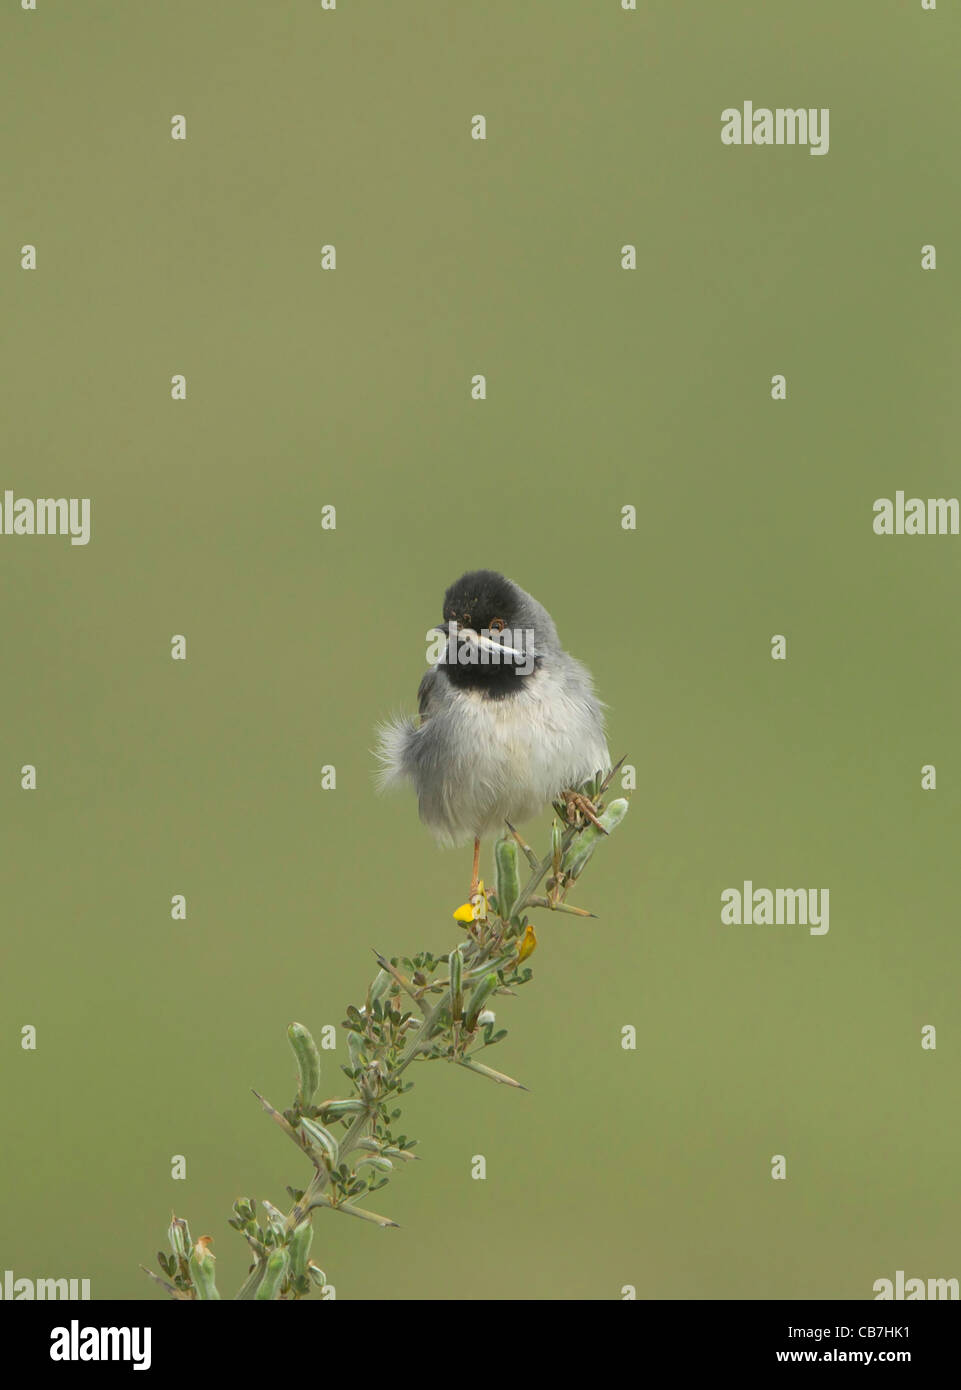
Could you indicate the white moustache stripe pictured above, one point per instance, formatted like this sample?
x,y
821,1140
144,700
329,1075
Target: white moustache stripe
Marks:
x,y
487,645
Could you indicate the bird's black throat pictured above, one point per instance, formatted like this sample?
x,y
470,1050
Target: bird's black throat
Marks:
x,y
494,682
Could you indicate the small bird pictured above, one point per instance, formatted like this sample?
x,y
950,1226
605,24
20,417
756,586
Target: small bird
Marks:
x,y
509,722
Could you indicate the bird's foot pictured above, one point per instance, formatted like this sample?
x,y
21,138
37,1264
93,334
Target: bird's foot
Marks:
x,y
580,808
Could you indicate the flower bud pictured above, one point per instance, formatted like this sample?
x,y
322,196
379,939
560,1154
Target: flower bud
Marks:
x,y
202,1270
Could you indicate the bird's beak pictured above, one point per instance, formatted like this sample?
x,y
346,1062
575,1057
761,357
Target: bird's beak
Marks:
x,y
487,644
477,639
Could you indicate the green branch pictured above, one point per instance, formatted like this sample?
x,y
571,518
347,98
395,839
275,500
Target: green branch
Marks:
x,y
424,1008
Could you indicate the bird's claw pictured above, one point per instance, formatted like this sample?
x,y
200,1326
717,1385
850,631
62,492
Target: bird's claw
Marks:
x,y
576,805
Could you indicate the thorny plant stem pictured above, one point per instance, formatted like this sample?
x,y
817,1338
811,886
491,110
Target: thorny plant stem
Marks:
x,y
383,1042
479,950
476,953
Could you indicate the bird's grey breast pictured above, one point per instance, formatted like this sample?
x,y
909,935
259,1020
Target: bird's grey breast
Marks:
x,y
477,761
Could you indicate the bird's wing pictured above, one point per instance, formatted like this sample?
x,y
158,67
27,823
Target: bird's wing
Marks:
x,y
428,693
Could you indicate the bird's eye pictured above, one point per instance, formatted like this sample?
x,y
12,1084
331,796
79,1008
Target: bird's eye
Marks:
x,y
497,625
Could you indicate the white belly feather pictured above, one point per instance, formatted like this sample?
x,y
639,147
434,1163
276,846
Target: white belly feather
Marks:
x,y
496,760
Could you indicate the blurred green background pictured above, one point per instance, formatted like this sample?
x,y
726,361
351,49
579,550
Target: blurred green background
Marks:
x,y
606,388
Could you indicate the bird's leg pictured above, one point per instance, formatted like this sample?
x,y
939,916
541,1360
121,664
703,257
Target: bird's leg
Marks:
x,y
474,911
577,804
478,898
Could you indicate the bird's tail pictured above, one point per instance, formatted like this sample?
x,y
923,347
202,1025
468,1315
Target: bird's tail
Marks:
x,y
393,742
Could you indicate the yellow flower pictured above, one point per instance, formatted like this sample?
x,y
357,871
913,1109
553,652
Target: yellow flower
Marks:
x,y
475,910
527,943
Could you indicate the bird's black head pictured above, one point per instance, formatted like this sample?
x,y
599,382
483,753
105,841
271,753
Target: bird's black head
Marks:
x,y
481,599
490,644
